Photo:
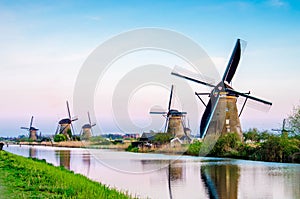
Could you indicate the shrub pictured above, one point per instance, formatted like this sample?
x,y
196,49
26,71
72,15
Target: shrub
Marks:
x,y
60,138
194,148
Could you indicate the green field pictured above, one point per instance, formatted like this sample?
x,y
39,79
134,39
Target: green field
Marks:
x,y
31,178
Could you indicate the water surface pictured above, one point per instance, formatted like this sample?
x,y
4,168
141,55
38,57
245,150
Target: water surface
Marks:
x,y
164,176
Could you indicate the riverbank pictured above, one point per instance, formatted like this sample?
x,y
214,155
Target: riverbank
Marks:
x,y
76,144
32,178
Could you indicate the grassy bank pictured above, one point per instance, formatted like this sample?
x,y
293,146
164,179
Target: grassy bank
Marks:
x,y
31,178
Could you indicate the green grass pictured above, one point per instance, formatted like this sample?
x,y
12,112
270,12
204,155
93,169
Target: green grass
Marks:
x,y
31,178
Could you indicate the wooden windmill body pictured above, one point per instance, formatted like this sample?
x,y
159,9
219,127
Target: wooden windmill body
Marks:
x,y
174,120
86,131
221,114
65,126
32,130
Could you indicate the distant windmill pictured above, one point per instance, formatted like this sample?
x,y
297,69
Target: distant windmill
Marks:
x,y
32,130
174,119
283,129
65,125
221,114
86,130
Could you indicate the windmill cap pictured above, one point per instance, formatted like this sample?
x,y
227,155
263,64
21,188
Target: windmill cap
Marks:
x,y
176,112
65,121
86,126
33,129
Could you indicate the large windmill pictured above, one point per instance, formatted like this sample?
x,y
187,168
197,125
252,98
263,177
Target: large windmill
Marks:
x,y
65,125
32,130
221,113
86,130
174,119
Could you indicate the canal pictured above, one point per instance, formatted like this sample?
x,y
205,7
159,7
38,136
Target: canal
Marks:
x,y
165,176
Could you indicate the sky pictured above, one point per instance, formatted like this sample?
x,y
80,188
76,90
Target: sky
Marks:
x,y
45,43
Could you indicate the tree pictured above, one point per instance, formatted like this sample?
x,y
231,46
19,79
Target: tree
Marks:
x,y
294,120
162,138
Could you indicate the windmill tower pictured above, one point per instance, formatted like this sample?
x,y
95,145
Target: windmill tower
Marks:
x,y
174,119
32,130
221,113
65,125
86,130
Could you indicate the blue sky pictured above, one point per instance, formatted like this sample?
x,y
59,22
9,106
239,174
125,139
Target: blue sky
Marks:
x,y
44,44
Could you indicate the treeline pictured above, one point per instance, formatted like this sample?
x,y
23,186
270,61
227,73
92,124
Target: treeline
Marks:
x,y
262,146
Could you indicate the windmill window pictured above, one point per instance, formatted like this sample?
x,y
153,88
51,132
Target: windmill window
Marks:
x,y
227,121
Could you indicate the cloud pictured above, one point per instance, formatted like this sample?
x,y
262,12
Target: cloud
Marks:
x,y
277,3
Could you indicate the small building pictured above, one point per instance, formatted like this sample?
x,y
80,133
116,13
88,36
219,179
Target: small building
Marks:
x,y
148,137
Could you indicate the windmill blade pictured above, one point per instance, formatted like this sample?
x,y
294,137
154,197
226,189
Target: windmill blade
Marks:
x,y
283,124
161,113
231,91
89,118
92,130
208,114
68,110
234,60
170,100
195,77
25,128
166,124
57,128
31,122
183,113
74,119
192,79
73,132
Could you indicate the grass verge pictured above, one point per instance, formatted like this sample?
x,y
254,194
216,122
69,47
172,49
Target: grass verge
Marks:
x,y
22,177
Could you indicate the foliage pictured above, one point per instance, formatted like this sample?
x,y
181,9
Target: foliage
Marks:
x,y
251,135
76,138
130,148
264,146
31,178
278,148
162,138
60,138
254,135
100,140
226,145
194,148
294,120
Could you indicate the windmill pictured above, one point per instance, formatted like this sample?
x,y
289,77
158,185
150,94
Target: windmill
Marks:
x,y
65,125
221,113
283,129
86,130
32,130
174,119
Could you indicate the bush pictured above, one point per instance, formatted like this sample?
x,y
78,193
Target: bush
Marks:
x,y
226,145
130,148
162,138
60,138
194,148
